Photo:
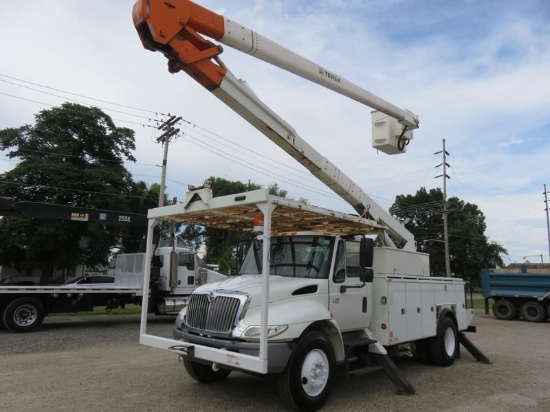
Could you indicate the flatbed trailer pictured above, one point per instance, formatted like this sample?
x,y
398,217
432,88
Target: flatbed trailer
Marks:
x,y
23,308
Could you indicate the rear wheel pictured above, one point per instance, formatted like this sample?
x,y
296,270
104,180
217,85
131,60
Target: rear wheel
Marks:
x,y
306,382
422,351
205,373
504,310
23,314
533,312
444,346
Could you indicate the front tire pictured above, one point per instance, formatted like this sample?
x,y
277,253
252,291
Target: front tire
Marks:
x,y
204,373
306,382
444,346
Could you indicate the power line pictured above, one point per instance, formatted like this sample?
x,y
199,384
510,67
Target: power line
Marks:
x,y
69,190
79,95
76,111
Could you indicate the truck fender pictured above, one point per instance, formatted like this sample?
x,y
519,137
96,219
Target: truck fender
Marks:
x,y
445,312
330,329
303,315
298,313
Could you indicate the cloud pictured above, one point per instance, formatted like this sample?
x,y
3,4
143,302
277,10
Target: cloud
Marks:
x,y
475,72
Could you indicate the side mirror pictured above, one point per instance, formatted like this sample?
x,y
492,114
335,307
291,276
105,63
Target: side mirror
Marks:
x,y
366,275
366,252
156,262
366,257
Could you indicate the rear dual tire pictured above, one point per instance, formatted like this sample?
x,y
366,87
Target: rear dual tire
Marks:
x,y
444,346
533,312
504,310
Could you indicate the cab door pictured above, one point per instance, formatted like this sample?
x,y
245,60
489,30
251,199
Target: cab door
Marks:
x,y
349,298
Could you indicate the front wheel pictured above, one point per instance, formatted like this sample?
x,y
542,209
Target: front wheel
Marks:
x,y
306,382
23,314
205,373
444,346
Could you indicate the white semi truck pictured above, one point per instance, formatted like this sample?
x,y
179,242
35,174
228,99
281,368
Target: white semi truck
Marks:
x,y
175,271
313,297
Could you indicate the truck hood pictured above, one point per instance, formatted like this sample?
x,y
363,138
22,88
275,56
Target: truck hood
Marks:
x,y
280,288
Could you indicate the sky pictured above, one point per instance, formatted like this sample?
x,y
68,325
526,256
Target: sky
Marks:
x,y
477,73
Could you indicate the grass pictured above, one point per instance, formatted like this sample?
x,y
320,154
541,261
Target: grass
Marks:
x,y
479,303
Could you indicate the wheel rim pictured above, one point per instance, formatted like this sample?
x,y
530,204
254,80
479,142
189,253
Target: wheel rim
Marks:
x,y
532,311
25,315
315,372
450,342
503,310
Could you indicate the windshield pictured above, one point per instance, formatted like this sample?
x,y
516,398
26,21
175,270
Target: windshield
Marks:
x,y
292,256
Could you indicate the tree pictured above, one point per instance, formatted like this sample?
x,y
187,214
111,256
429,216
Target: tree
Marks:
x,y
73,155
469,248
225,247
141,199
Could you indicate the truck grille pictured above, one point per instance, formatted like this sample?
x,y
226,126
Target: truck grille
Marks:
x,y
217,315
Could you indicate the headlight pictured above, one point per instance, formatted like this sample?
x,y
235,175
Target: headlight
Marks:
x,y
180,317
253,332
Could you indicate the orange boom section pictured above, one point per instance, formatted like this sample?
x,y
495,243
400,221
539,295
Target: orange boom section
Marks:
x,y
174,28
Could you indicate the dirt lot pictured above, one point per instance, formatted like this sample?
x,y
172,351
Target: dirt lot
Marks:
x,y
95,364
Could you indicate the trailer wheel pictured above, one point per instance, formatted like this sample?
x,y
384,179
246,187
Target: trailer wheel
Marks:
x,y
533,312
444,346
504,310
306,382
23,314
204,373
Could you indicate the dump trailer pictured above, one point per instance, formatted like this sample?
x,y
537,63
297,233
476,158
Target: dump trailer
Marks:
x,y
518,291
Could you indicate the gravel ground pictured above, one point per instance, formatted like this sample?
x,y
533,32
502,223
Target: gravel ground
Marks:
x,y
96,364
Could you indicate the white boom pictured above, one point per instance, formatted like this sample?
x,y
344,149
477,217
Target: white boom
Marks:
x,y
173,28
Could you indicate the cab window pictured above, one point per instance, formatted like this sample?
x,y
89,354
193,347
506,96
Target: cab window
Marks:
x,y
347,261
187,260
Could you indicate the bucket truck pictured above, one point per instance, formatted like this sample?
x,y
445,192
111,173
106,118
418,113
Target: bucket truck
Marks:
x,y
313,297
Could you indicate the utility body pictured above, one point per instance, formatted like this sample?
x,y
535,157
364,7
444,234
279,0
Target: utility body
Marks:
x,y
313,297
518,291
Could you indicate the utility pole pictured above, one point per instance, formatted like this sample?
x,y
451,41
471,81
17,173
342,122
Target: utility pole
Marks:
x,y
547,220
169,131
445,211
